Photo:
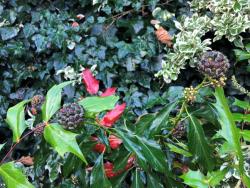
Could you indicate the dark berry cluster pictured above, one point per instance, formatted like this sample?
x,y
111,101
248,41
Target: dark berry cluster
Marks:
x,y
213,64
70,115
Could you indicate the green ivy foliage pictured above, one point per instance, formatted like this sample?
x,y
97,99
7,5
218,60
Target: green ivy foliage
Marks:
x,y
37,40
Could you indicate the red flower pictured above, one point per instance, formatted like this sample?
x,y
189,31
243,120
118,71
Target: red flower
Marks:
x,y
114,142
109,170
108,92
99,147
75,24
130,162
112,116
91,84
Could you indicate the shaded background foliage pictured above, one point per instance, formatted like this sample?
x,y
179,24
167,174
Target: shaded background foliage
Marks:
x,y
37,40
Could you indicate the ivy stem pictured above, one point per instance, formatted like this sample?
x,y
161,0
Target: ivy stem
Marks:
x,y
21,139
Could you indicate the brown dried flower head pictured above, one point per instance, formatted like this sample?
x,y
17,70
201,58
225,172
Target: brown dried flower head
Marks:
x,y
163,36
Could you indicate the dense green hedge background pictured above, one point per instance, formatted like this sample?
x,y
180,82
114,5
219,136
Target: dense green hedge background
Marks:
x,y
37,40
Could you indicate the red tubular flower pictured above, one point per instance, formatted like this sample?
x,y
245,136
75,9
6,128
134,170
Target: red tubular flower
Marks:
x,y
109,170
99,147
112,116
75,24
91,84
108,92
130,162
114,142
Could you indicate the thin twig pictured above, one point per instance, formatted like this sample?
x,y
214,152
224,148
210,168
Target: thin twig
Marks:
x,y
13,146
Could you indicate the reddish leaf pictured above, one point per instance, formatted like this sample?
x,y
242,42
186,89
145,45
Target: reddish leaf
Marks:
x,y
91,84
114,142
109,170
112,116
99,147
108,92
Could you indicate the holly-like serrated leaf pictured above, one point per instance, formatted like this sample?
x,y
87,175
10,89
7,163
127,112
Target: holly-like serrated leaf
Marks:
x,y
62,141
147,151
161,119
228,128
13,177
53,101
16,120
198,144
98,177
99,104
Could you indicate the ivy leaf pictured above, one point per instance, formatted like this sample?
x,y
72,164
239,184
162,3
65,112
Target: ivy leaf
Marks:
x,y
195,179
53,101
98,176
99,104
62,141
198,144
13,177
16,120
228,128
8,32
40,42
137,182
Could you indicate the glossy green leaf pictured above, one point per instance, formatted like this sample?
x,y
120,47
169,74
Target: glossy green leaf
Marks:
x,y
16,120
53,101
98,178
62,141
241,117
195,179
147,151
13,177
121,162
214,178
242,104
242,55
198,144
143,123
137,182
99,104
153,181
161,119
245,134
228,128
179,150
130,143
118,180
